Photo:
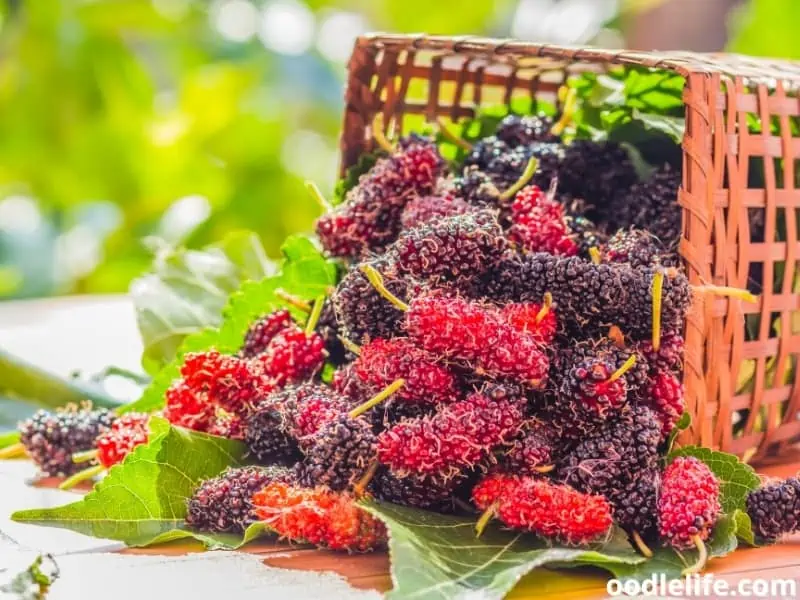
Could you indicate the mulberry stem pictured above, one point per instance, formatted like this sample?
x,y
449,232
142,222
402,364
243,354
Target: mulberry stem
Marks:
x,y
317,195
380,137
701,559
658,287
626,366
594,254
546,307
641,546
350,345
71,482
544,469
731,292
81,457
567,114
487,516
377,398
313,318
376,279
530,170
360,488
293,300
12,451
452,137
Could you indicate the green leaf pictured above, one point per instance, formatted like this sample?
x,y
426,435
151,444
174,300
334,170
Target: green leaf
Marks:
x,y
744,527
737,479
438,556
187,290
668,562
673,127
142,501
33,582
23,381
304,273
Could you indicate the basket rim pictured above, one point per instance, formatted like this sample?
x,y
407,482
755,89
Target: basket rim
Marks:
x,y
761,70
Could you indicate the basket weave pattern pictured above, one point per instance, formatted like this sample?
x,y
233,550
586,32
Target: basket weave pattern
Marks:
x,y
444,77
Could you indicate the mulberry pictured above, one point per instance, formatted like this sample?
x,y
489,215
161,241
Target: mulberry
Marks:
x,y
584,232
539,225
452,250
362,312
516,130
554,512
668,357
457,437
491,487
473,332
485,151
507,168
774,509
596,172
418,491
262,331
665,396
474,186
223,504
608,461
229,426
309,407
188,408
636,508
51,438
426,209
369,219
339,453
293,355
594,389
426,380
265,432
589,296
689,505
638,248
328,330
125,434
531,453
653,205
318,516
235,384
538,320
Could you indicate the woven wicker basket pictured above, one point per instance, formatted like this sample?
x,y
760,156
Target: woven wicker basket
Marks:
x,y
450,77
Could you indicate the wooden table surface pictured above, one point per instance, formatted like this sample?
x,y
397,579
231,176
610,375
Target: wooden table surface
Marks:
x,y
364,572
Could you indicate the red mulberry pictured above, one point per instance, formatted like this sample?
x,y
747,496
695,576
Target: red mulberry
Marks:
x,y
665,397
188,408
427,380
668,357
689,504
490,487
554,512
539,225
224,503
457,437
51,438
774,509
318,516
476,333
293,356
262,331
233,383
538,320
125,434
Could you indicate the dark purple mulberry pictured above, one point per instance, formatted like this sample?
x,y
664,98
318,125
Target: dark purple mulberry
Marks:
x,y
774,509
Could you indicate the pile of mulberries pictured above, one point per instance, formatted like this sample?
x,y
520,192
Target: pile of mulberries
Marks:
x,y
505,340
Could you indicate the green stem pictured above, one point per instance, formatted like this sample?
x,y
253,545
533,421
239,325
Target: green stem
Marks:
x,y
640,544
487,516
452,137
731,292
530,170
86,456
379,135
702,558
313,318
376,279
350,345
293,300
71,482
658,290
317,195
377,398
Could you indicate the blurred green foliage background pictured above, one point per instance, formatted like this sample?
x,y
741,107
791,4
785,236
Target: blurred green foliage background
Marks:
x,y
183,119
